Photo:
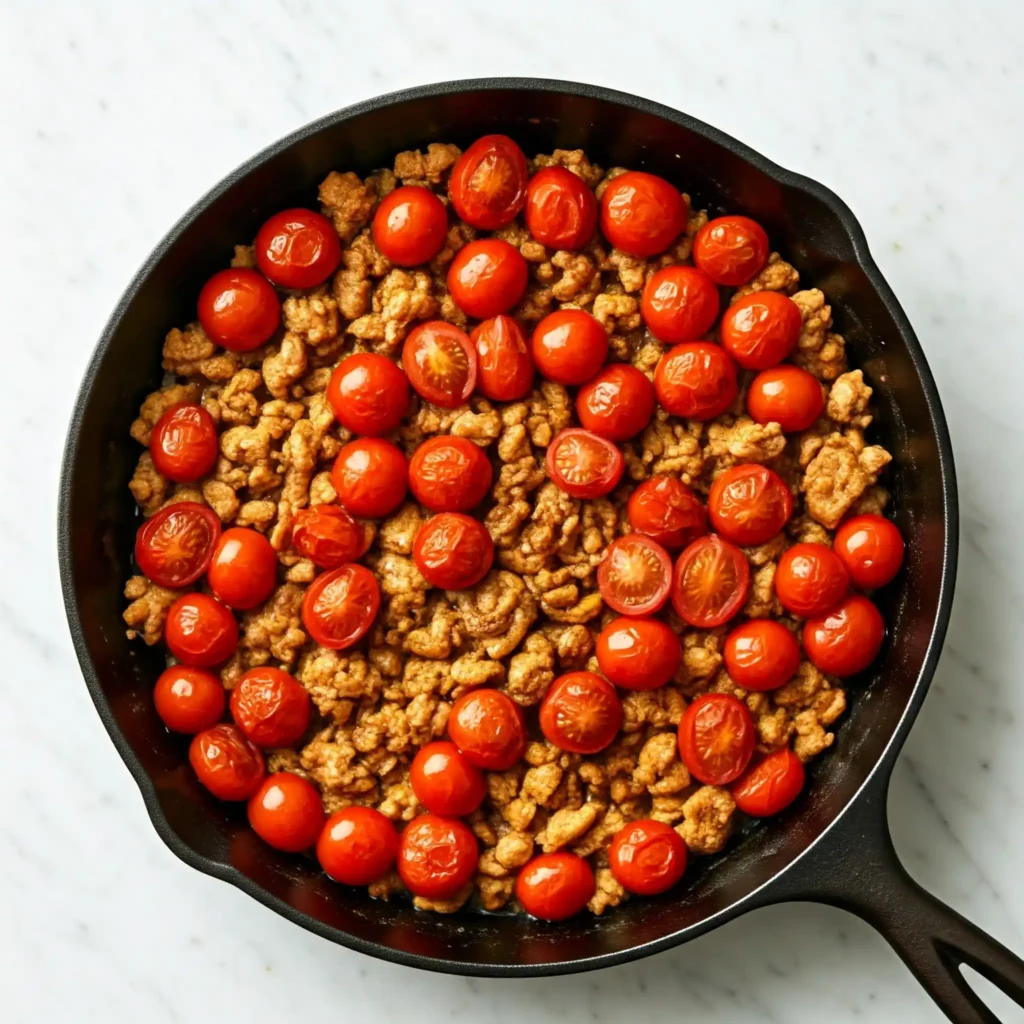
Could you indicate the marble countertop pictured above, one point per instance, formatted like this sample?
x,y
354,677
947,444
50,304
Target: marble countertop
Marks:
x,y
118,115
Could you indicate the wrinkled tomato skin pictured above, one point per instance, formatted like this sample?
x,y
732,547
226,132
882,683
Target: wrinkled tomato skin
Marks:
x,y
286,812
488,729
410,226
188,699
226,763
569,346
357,846
871,548
298,249
453,551
696,380
487,277
445,781
328,536
488,182
339,606
450,474
771,785
847,639
555,886
504,363
175,546
710,554
761,329
642,214
761,655
716,738
583,464
749,505
786,395
581,713
635,575
561,212
666,510
810,579
270,707
647,857
200,631
243,570
239,309
368,394
436,856
731,250
679,303
616,404
370,477
638,654
440,362
183,444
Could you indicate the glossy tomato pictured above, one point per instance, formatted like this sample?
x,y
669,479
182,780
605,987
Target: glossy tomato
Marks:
x,y
761,655
357,846
328,536
569,346
638,654
679,303
243,570
581,713
731,250
786,395
711,582
583,464
504,364
188,699
871,548
488,182
441,363
487,277
183,444
635,575
200,631
445,781
561,212
174,547
555,886
286,812
450,474
642,214
339,606
298,249
453,551
616,404
666,510
239,309
410,226
761,329
370,477
847,639
696,380
488,729
716,738
647,857
810,579
749,504
226,763
436,856
368,393
270,706
771,785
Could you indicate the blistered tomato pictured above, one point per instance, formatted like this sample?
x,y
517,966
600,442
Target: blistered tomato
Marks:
x,y
298,249
638,654
696,381
617,403
771,785
679,303
453,551
174,547
488,728
410,226
749,504
642,214
666,510
368,393
569,346
449,474
270,706
504,363
226,763
810,579
436,856
183,444
761,655
357,846
716,738
786,395
561,212
761,329
200,631
554,886
445,781
581,713
370,477
243,570
239,309
328,536
871,548
286,812
731,250
847,639
647,857
487,277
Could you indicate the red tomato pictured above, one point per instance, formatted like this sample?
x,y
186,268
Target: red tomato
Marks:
x,y
504,363
749,504
449,474
453,551
441,363
716,738
581,713
871,548
200,631
174,547
410,226
226,763
561,212
635,575
771,785
845,640
679,304
761,329
666,510
616,404
696,381
298,249
436,856
445,782
711,582
569,346
243,571
487,277
328,536
286,812
368,393
583,464
642,214
786,395
810,579
183,444
239,309
488,729
638,654
554,886
731,250
647,857
357,846
370,477
188,699
488,182
270,706
339,606
761,655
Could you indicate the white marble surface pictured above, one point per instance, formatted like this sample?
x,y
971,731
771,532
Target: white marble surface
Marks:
x,y
117,115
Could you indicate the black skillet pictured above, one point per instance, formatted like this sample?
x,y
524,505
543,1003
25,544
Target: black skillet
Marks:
x,y
833,846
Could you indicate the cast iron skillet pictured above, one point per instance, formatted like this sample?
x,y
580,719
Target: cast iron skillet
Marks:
x,y
834,845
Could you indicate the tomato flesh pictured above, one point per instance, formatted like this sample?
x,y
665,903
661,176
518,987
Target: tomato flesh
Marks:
x,y
716,738
555,886
635,576
771,785
339,606
450,474
749,505
666,510
175,546
638,654
583,464
488,182
581,713
711,582
440,362
647,857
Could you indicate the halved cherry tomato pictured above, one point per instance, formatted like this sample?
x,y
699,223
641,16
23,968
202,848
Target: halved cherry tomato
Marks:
x,y
188,699
666,510
174,547
696,380
440,361
370,477
243,570
183,444
647,857
239,309
368,393
716,738
642,214
749,504
616,404
339,606
810,579
270,706
561,212
488,182
328,536
711,582
786,395
569,346
847,639
581,713
286,812
731,250
450,474
761,329
200,631
445,781
436,856
410,225
638,654
357,846
583,464
453,551
298,249
226,763
488,729
771,785
679,303
487,277
635,575
555,886
504,364
761,655
871,548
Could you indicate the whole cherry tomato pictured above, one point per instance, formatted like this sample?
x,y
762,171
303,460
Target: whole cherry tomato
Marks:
x,y
642,214
436,856
635,575
226,763
871,548
453,551
749,504
504,364
441,363
561,212
711,582
696,380
286,812
487,277
410,226
638,654
175,546
583,464
488,182
298,249
370,477
368,393
488,729
810,579
357,846
445,782
771,785
761,329
716,738
761,654
200,631
616,404
243,570
328,536
555,886
845,640
239,309
569,346
647,857
666,510
188,699
270,706
183,444
786,395
679,304
581,713
731,250
449,474
339,606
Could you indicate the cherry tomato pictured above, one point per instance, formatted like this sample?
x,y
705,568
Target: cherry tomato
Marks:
x,y
449,474
761,329
488,182
716,738
200,631
441,363
761,655
436,856
569,346
554,886
270,706
638,654
174,547
711,582
786,395
616,404
487,277
581,713
243,571
696,381
328,536
368,393
749,504
183,444
298,249
239,309
504,363
286,812
810,579
357,846
445,782
370,477
453,551
583,464
871,548
410,226
339,606
771,785
188,699
731,250
845,640
488,729
561,212
679,304
635,575
226,763
647,857
642,214
666,510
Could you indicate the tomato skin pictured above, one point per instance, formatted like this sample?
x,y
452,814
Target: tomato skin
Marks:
x,y
368,393
339,606
357,846
786,395
555,886
445,781
771,785
453,551
504,363
583,464
716,738
871,548
666,510
270,706
810,579
328,536
638,654
487,277
243,570
440,362
642,214
410,226
488,182
846,639
647,857
616,404
731,250
436,856
635,575
370,477
226,763
761,329
239,309
175,546
297,249
717,557
488,729
761,655
581,713
749,505
561,212
188,699
183,444
679,303
286,812
200,631
449,474
696,380
569,346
